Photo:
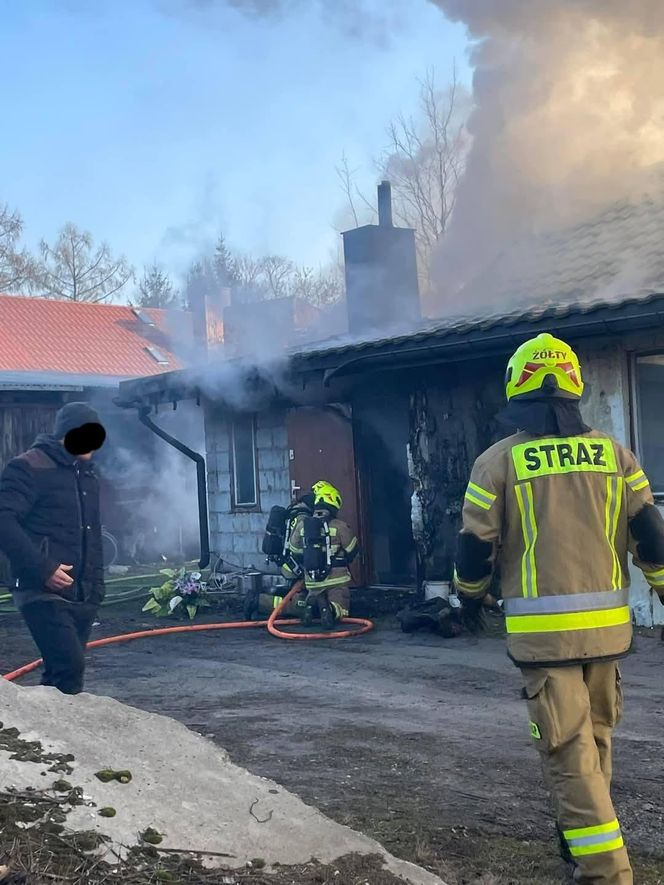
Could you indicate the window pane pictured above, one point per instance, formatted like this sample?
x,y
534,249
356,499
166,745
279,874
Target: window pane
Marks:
x,y
650,393
244,461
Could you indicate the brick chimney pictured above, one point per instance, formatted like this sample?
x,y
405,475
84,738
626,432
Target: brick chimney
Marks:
x,y
382,290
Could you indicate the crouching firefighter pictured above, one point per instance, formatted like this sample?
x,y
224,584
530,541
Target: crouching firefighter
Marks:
x,y
326,546
558,507
281,524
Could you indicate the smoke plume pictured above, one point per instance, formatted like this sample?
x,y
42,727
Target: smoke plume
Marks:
x,y
568,117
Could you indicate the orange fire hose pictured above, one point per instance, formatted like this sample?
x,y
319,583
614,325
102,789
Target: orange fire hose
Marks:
x,y
272,624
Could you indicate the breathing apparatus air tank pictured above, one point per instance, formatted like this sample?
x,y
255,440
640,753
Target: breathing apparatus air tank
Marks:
x,y
317,559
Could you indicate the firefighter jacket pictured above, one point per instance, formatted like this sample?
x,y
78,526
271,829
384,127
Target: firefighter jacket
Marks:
x,y
558,517
344,548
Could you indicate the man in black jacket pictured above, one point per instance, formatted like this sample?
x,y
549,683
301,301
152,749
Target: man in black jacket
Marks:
x,y
50,529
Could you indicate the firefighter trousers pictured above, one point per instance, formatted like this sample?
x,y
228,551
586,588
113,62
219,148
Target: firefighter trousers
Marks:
x,y
572,713
338,596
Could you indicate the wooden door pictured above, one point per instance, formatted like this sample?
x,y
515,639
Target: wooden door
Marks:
x,y
320,442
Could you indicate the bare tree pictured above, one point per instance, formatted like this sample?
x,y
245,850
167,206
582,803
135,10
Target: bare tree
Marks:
x,y
74,269
156,290
320,288
264,278
424,159
277,275
357,203
16,265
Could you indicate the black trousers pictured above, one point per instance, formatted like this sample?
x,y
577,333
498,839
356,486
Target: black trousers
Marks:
x,y
61,631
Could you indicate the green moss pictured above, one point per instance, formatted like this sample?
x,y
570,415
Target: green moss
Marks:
x,y
62,786
106,775
152,837
107,812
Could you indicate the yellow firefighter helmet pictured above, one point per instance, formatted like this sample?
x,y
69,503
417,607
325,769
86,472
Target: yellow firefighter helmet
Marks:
x,y
325,493
544,364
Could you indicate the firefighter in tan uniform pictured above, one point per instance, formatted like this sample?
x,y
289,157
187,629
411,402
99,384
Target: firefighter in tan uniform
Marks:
x,y
558,507
326,546
276,545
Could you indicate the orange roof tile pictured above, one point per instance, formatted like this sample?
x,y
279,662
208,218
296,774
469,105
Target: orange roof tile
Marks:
x,y
43,335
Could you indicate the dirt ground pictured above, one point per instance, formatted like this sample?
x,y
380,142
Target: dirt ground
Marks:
x,y
417,741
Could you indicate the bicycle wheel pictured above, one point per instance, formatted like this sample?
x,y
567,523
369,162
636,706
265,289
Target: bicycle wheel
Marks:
x,y
110,548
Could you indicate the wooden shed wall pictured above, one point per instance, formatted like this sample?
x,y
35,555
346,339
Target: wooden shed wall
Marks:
x,y
20,423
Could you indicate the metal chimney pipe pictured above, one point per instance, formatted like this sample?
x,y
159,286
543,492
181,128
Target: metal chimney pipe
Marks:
x,y
385,204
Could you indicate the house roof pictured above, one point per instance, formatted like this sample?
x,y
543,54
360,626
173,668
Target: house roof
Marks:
x,y
493,331
45,342
601,277
435,342
616,254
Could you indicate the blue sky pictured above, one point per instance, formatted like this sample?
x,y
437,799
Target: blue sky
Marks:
x,y
157,123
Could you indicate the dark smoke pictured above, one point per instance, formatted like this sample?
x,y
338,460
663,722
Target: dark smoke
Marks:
x,y
568,118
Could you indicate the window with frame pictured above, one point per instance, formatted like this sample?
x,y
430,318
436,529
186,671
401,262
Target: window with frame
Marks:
x,y
649,391
243,462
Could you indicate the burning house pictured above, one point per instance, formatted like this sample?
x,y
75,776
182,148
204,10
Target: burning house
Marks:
x,y
395,412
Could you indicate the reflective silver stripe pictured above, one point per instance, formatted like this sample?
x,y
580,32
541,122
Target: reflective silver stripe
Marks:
x,y
571,602
598,839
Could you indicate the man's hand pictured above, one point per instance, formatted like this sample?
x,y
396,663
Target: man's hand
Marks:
x,y
60,580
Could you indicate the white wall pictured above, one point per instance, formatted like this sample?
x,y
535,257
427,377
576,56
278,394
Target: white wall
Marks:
x,y
607,406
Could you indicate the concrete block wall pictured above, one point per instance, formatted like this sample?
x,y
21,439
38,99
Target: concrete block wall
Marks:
x,y
237,535
607,407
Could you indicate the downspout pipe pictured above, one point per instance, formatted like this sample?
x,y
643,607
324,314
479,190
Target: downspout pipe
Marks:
x,y
203,525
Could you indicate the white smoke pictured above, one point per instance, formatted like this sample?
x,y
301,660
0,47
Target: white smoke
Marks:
x,y
154,485
568,116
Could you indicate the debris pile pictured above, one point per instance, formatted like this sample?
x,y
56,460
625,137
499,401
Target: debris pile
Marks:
x,y
102,792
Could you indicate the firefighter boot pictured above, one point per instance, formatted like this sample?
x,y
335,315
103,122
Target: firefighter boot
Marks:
x,y
565,853
328,613
307,615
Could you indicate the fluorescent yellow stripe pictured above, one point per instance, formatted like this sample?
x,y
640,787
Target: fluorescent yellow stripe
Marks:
x,y
583,850
478,501
612,513
612,617
351,546
657,574
524,496
328,582
637,481
655,582
597,830
472,588
483,493
522,510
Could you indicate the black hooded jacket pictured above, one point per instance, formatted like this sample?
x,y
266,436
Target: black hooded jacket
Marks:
x,y
49,515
